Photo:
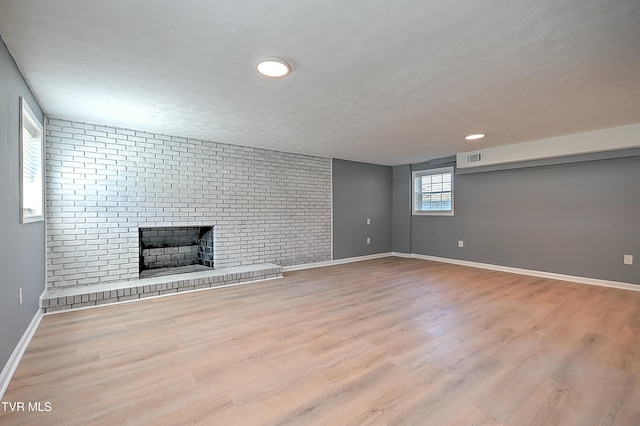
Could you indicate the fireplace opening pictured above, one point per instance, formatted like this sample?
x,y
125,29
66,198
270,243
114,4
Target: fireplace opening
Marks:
x,y
175,249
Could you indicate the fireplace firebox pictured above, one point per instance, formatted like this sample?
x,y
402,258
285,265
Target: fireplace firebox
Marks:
x,y
175,249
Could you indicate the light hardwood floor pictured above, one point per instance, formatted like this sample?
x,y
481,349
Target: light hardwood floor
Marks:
x,y
391,341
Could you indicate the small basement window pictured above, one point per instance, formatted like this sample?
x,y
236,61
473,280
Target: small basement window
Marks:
x,y
31,166
433,192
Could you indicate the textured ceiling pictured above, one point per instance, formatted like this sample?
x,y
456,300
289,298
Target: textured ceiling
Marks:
x,y
387,82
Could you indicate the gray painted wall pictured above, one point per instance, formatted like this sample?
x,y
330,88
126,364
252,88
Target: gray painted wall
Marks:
x,y
22,262
401,213
576,219
361,191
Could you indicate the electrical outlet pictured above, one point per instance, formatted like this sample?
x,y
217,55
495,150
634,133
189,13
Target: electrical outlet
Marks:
x,y
20,296
368,240
460,243
628,259
368,221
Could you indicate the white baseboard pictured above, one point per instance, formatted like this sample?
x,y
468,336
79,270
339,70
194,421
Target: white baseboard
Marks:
x,y
14,360
398,254
335,262
531,272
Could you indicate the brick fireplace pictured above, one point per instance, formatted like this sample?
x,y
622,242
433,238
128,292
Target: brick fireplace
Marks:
x,y
105,183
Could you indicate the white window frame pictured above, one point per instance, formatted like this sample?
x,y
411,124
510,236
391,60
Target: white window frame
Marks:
x,y
428,172
31,165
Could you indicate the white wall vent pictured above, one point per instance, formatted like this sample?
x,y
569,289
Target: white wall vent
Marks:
x,y
474,157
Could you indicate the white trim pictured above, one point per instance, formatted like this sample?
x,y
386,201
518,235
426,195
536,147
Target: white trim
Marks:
x,y
531,272
335,262
14,360
398,254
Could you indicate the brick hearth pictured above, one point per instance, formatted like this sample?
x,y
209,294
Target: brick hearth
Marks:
x,y
80,296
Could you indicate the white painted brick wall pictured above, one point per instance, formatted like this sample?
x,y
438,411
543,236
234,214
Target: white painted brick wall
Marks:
x,y
102,183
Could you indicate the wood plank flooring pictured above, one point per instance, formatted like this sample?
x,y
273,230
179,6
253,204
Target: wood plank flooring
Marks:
x,y
385,342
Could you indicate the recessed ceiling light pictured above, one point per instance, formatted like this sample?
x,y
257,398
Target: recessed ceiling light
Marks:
x,y
474,136
273,67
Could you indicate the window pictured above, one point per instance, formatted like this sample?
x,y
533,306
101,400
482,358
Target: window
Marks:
x,y
433,192
31,166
